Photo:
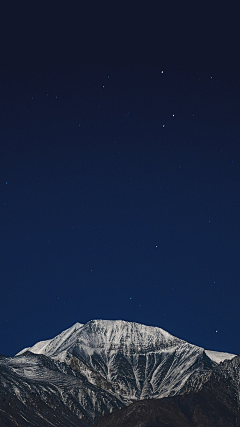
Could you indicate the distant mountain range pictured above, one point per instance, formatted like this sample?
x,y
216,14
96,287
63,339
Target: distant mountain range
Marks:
x,y
119,374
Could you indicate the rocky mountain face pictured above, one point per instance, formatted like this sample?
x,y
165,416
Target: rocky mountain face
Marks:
x,y
214,404
94,369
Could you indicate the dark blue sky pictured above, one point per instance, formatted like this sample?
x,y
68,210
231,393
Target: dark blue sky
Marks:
x,y
120,199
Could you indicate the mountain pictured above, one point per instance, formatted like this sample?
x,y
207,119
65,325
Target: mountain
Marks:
x,y
138,361
96,368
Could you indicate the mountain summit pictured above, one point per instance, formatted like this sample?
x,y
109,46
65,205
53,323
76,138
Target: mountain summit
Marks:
x,y
108,334
113,333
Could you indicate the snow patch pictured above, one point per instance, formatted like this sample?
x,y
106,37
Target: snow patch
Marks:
x,y
218,357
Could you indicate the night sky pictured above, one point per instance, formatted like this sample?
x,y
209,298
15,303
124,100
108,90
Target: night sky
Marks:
x,y
120,199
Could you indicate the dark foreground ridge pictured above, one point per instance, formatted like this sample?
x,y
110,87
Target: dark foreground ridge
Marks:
x,y
179,411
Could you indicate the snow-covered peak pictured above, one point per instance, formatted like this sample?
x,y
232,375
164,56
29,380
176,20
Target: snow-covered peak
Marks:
x,y
119,332
112,335
136,361
107,334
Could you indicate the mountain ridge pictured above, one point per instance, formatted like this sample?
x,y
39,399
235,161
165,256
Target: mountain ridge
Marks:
x,y
42,346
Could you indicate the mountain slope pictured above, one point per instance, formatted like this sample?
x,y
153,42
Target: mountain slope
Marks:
x,y
50,389
214,404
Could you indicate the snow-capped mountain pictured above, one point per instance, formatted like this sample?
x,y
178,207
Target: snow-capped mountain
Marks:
x,y
138,361
92,369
